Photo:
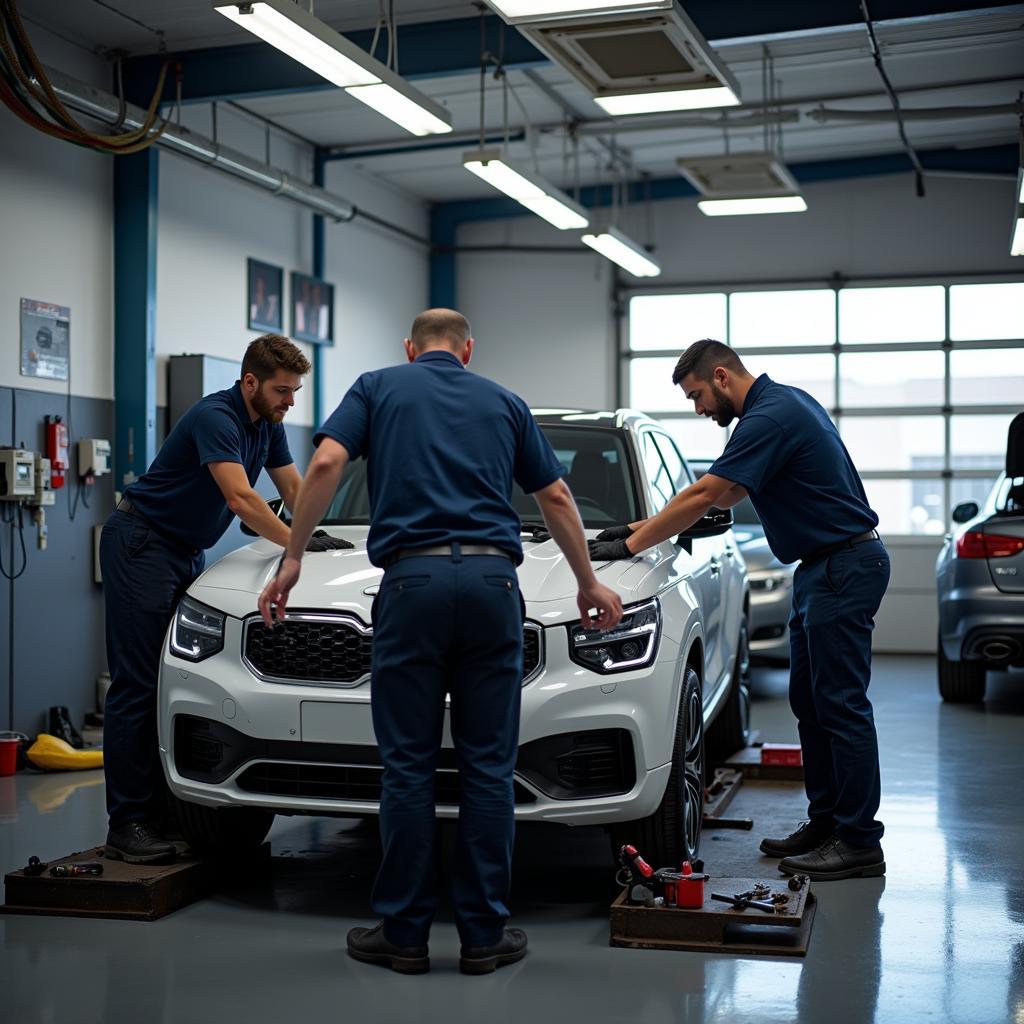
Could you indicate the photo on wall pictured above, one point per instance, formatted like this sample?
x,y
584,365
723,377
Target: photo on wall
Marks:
x,y
266,299
312,309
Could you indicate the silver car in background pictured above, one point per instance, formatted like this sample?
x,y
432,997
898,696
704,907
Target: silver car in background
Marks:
x,y
980,576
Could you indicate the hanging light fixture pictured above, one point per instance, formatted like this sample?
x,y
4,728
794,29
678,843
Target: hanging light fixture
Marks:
x,y
526,188
618,247
515,11
303,37
742,183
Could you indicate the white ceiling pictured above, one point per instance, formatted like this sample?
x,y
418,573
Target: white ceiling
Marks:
x,y
969,59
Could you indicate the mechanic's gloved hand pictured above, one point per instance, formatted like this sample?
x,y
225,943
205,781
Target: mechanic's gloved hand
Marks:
x,y
323,541
608,550
616,533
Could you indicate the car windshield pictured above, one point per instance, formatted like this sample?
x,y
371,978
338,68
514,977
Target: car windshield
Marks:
x,y
597,473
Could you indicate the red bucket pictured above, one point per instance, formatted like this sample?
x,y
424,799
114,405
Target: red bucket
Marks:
x,y
8,754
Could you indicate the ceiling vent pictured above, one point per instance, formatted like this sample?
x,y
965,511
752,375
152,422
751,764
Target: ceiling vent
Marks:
x,y
636,63
738,174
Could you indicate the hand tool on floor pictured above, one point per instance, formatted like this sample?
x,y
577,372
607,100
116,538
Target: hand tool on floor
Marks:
x,y
742,904
74,870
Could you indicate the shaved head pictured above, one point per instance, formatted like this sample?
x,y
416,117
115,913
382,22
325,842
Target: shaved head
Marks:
x,y
440,327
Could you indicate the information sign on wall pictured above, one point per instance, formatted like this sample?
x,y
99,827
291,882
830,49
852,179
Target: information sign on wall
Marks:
x,y
45,340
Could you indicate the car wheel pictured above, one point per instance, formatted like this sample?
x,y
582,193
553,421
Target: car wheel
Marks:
x,y
961,682
730,730
223,831
672,833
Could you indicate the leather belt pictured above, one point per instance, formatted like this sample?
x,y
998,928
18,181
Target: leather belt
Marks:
x,y
831,549
445,550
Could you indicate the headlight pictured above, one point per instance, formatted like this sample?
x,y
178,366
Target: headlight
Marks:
x,y
633,643
767,582
197,632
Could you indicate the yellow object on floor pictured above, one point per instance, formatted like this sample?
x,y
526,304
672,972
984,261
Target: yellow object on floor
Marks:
x,y
55,755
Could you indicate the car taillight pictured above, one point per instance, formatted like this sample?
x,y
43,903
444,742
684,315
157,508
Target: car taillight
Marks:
x,y
975,544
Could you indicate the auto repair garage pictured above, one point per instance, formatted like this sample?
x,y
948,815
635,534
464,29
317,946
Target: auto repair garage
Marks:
x,y
246,481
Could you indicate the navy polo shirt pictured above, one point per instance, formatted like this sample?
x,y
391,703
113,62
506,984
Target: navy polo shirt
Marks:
x,y
443,447
178,495
787,453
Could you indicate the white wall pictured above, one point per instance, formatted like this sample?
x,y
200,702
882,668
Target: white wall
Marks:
x,y
56,215
380,279
544,322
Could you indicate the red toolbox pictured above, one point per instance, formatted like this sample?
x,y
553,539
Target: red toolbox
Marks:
x,y
782,753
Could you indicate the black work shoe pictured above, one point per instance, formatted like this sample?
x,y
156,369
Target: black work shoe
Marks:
x,y
808,836
371,947
138,842
485,959
834,859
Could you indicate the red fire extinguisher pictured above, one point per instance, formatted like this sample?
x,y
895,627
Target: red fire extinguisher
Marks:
x,y
57,450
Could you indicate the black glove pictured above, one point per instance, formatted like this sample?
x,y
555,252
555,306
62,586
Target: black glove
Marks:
x,y
323,541
616,533
608,550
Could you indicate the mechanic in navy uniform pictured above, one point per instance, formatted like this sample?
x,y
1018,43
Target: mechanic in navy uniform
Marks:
x,y
786,454
443,448
151,549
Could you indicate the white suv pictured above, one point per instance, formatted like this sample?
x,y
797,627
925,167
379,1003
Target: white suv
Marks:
x,y
257,722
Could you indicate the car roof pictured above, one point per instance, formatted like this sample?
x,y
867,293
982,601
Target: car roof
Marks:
x,y
620,419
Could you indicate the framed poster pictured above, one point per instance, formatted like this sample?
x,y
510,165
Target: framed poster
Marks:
x,y
45,340
266,299
312,309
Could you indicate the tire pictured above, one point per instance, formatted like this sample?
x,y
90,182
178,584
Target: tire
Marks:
x,y
730,730
672,833
961,682
223,831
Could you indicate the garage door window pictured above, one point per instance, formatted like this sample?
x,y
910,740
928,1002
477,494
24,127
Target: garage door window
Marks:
x,y
922,378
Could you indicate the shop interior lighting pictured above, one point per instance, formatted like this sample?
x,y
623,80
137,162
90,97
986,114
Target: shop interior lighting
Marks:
x,y
526,188
697,98
747,205
1017,240
514,11
295,31
611,243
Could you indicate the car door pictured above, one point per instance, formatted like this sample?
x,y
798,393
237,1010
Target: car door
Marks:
x,y
666,474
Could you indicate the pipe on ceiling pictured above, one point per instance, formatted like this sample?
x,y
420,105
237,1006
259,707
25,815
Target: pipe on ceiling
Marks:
x,y
822,114
178,139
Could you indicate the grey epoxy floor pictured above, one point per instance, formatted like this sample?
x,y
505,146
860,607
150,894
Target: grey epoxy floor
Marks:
x,y
940,939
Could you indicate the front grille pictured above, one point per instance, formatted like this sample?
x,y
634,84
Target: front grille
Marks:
x,y
343,782
335,650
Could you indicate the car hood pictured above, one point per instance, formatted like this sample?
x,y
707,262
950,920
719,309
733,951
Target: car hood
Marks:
x,y
346,581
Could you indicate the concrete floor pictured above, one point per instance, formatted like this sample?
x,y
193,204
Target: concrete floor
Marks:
x,y
940,939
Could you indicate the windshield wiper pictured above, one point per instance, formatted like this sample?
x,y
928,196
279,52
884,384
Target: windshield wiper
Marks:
x,y
536,531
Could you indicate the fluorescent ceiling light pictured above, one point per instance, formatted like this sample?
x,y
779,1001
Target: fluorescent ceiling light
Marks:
x,y
753,204
1017,242
622,250
294,31
529,189
669,99
543,10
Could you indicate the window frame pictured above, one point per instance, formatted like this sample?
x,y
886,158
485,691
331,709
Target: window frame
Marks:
x,y
947,410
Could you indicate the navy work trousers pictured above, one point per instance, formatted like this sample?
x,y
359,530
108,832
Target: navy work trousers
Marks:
x,y
145,574
447,625
834,603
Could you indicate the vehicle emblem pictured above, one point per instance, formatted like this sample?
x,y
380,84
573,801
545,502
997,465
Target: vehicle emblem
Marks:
x,y
1000,571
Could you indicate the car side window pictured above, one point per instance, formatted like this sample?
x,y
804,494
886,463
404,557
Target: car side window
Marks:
x,y
678,470
658,476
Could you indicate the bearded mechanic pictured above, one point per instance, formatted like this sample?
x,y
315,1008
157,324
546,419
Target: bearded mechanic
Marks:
x,y
786,454
151,549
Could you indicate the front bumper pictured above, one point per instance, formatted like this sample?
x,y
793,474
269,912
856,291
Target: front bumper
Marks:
x,y
302,749
769,624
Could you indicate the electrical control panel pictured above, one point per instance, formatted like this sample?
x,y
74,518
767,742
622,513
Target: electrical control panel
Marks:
x,y
17,474
93,457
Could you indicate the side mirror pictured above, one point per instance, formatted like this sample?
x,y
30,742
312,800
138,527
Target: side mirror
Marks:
x,y
965,512
277,507
716,522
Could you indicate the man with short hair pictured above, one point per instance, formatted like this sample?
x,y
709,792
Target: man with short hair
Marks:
x,y
443,448
151,549
786,453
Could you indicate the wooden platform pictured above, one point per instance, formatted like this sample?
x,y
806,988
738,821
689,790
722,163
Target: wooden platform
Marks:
x,y
748,762
718,927
138,892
